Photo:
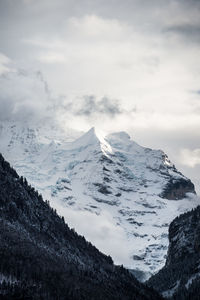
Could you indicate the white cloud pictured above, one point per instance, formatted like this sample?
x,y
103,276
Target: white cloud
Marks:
x,y
100,56
143,53
52,58
97,28
100,230
190,158
4,63
24,96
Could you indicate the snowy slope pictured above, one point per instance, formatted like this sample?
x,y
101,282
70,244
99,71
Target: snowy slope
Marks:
x,y
120,195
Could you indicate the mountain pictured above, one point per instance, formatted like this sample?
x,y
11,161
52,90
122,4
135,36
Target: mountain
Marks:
x,y
42,258
180,277
128,194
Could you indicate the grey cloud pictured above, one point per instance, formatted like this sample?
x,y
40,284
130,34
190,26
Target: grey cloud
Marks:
x,y
185,21
24,112
24,96
38,76
44,82
90,107
24,19
189,32
6,109
196,92
105,106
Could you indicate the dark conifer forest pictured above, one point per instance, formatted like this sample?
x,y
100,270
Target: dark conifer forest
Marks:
x,y
180,277
42,258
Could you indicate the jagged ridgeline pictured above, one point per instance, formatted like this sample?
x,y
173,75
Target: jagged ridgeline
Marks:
x,y
42,258
180,278
137,190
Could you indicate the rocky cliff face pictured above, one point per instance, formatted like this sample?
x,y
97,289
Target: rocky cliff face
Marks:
x,y
180,278
176,189
122,189
184,237
42,258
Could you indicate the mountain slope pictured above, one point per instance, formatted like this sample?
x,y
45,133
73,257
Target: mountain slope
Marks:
x,y
41,258
124,190
180,278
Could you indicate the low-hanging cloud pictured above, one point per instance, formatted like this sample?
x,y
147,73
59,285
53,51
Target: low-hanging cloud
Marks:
x,y
190,157
144,53
25,96
90,105
100,230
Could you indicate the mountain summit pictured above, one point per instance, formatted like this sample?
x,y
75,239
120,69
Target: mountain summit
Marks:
x,y
126,191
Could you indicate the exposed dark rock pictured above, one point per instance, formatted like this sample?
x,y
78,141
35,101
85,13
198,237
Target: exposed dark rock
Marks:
x,y
109,201
104,189
105,169
106,159
118,171
177,188
140,275
118,195
147,205
132,221
106,179
131,213
180,277
137,257
126,189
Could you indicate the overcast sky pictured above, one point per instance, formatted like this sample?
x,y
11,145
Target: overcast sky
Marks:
x,y
128,65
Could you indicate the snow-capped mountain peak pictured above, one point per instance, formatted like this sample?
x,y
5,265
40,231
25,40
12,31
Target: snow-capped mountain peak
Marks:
x,y
110,180
94,139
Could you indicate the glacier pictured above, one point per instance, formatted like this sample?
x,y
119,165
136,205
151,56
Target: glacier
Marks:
x,y
119,195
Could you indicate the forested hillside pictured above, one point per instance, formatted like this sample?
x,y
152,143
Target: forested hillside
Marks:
x,y
42,258
180,278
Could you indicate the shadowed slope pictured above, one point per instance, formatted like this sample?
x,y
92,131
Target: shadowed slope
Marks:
x,y
41,258
180,278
